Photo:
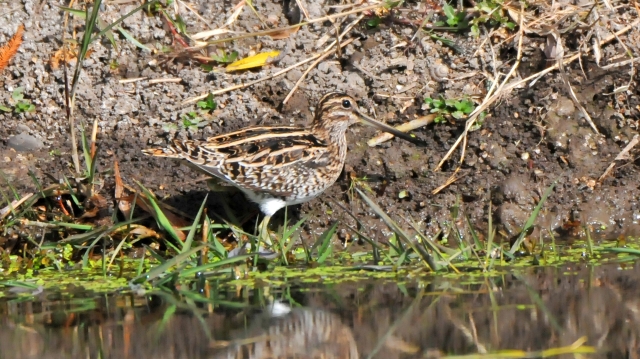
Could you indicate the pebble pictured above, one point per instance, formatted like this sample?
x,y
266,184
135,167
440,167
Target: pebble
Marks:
x,y
24,142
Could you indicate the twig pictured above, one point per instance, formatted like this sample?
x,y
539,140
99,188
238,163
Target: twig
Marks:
x,y
327,52
303,9
623,155
503,88
534,77
251,83
133,79
281,29
14,205
405,127
159,81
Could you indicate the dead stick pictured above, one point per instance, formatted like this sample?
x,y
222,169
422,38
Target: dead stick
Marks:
x,y
493,98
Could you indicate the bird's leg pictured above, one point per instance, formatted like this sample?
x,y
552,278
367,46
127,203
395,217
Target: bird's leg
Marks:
x,y
264,230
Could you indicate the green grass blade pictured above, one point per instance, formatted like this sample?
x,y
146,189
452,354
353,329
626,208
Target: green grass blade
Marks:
x,y
121,19
325,239
205,267
16,195
163,221
141,265
90,23
531,219
428,259
192,233
214,243
161,269
109,34
132,39
75,12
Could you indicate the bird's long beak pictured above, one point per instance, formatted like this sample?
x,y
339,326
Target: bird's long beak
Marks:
x,y
386,128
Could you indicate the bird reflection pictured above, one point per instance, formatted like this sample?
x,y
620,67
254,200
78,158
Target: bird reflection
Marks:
x,y
300,333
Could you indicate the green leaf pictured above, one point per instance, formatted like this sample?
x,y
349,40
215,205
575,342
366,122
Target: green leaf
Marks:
x,y
208,104
17,94
457,115
132,39
75,12
163,221
192,232
206,67
475,30
374,22
325,241
532,218
465,106
5,108
449,12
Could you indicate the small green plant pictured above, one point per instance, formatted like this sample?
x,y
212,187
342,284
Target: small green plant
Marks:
x,y
456,108
455,18
190,120
21,105
224,57
208,104
492,13
374,22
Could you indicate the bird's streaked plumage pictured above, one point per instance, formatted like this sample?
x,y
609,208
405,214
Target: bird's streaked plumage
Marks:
x,y
279,166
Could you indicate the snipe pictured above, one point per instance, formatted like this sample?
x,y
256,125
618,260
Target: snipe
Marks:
x,y
280,166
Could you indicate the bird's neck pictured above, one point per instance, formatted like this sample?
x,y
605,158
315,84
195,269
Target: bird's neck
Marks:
x,y
334,134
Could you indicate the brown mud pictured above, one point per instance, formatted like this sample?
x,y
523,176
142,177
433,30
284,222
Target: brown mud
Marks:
x,y
534,135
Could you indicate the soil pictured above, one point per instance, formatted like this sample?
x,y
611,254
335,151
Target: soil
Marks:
x,y
534,136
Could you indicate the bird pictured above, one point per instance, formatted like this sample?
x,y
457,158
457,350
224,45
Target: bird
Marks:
x,y
278,166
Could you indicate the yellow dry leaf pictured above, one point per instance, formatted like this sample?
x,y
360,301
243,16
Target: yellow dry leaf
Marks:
x,y
250,62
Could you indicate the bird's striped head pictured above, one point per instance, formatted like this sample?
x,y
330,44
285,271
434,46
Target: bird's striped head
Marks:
x,y
336,111
337,107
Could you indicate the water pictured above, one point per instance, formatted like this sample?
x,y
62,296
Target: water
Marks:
x,y
537,309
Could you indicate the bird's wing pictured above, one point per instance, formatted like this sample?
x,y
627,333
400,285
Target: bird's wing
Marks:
x,y
247,157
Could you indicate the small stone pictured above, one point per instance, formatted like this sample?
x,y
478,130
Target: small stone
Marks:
x,y
24,142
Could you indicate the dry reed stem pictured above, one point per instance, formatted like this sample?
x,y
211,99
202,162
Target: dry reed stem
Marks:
x,y
14,205
303,9
503,88
68,101
533,77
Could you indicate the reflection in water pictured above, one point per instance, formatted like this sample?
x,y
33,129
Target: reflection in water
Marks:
x,y
301,333
539,309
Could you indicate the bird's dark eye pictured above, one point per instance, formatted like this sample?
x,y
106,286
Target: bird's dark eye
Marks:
x,y
346,104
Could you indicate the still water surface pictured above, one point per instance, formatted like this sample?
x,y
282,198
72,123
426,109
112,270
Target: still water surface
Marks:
x,y
537,309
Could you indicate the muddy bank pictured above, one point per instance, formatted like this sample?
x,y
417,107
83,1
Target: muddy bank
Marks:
x,y
534,135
